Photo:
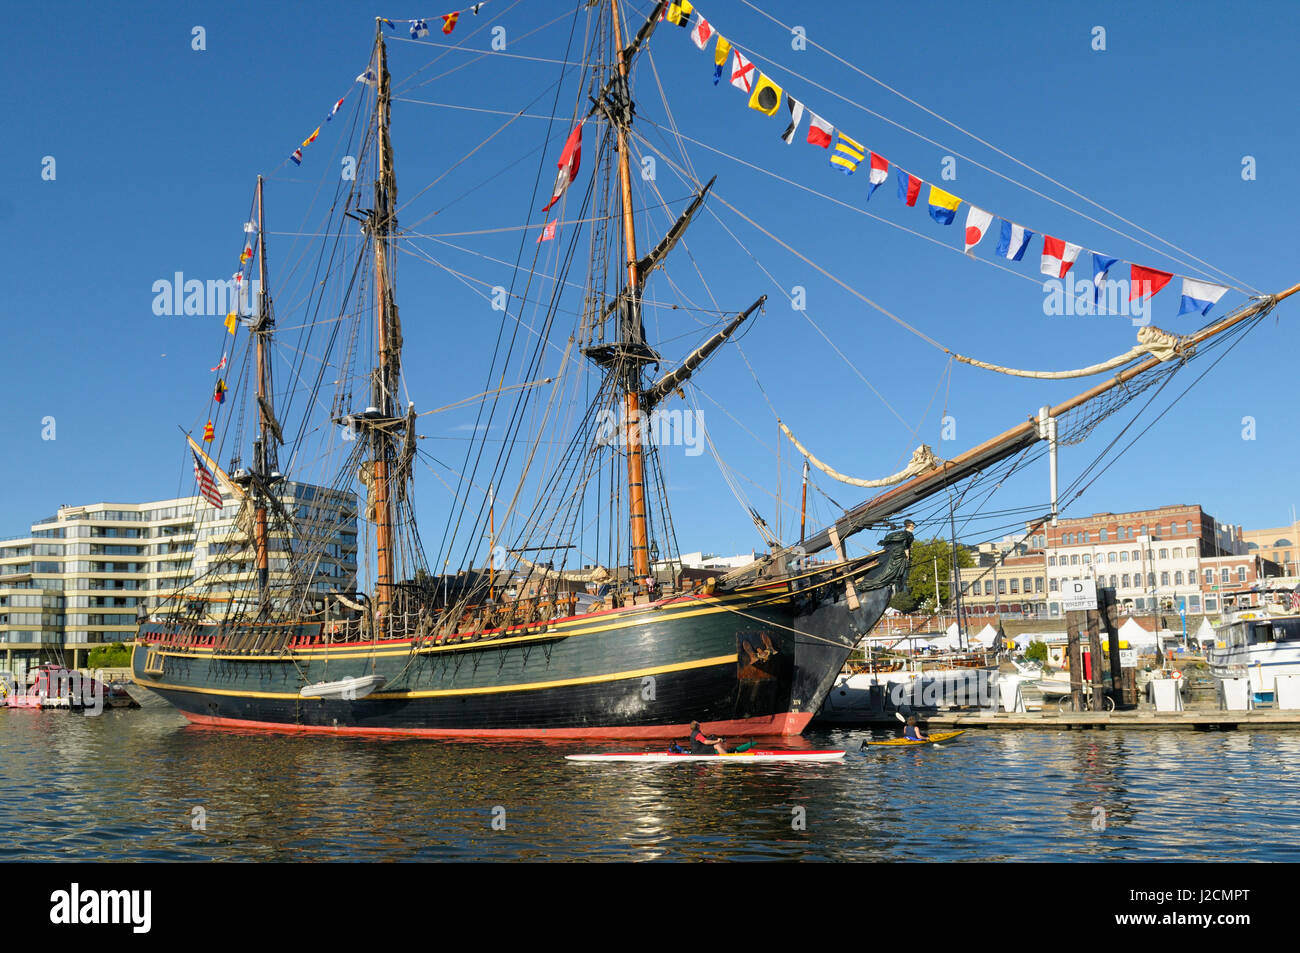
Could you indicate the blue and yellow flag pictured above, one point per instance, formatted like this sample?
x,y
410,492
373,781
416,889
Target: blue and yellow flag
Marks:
x,y
943,205
847,153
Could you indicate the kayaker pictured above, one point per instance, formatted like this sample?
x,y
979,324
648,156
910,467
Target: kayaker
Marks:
x,y
702,743
913,732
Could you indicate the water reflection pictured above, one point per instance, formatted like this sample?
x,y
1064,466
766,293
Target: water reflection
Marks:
x,y
125,785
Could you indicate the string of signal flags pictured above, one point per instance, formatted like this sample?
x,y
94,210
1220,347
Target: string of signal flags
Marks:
x,y
847,154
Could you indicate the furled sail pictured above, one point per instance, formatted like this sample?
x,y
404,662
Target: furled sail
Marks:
x,y
598,574
923,460
1151,340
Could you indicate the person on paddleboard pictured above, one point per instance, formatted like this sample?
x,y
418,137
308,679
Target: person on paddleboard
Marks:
x,y
702,743
913,732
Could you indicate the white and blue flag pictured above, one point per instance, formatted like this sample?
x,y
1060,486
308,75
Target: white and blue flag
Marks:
x,y
1014,240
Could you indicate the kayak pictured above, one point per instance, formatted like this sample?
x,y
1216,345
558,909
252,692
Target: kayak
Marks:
x,y
907,743
733,757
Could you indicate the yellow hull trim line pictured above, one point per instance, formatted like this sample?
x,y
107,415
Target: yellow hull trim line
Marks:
x,y
448,692
565,629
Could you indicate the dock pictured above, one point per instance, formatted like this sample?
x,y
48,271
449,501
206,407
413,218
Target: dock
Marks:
x,y
1191,719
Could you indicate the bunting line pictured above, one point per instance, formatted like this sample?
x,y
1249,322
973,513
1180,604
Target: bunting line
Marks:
x,y
1058,255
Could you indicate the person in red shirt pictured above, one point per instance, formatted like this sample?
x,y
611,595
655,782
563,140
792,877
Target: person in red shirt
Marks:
x,y
702,743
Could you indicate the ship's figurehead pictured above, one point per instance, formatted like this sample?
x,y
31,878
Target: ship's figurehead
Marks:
x,y
898,556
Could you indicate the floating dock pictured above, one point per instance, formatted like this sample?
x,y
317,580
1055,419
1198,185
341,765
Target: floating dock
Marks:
x,y
1194,719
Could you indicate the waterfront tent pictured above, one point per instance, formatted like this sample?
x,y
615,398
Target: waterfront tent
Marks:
x,y
1136,635
986,635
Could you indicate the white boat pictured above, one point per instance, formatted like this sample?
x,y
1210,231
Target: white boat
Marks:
x,y
731,757
1258,644
358,686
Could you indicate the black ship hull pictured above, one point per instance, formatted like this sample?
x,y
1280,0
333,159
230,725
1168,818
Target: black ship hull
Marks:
x,y
756,661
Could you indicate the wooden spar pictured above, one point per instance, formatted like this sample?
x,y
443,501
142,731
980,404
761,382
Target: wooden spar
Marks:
x,y
381,223
1005,444
803,504
221,474
632,388
263,474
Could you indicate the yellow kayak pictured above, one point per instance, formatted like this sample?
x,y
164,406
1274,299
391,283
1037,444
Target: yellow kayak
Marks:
x,y
907,743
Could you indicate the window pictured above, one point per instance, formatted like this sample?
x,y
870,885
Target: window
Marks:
x,y
1015,586
1054,607
1123,557
1110,557
1051,560
1137,555
1209,577
1087,559
988,587
1140,604
1241,574
1085,539
1027,582
1052,587
1101,536
1224,575
1189,527
1173,529
1125,582
1194,603
1002,587
1164,554
1178,552
1150,555
1211,603
1178,578
1038,584
1164,579
1074,559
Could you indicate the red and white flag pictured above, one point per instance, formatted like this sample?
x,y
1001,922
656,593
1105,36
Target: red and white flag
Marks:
x,y
820,132
1144,282
701,32
220,364
977,226
1058,256
570,159
207,488
742,72
548,232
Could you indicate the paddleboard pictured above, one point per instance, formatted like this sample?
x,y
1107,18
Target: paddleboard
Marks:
x,y
907,743
735,757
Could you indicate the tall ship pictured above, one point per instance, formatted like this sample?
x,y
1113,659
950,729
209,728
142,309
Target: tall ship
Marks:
x,y
553,601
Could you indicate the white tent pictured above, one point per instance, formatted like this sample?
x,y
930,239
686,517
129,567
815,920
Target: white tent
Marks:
x,y
1136,636
1205,633
986,635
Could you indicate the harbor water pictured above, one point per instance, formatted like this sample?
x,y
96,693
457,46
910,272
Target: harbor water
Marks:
x,y
145,785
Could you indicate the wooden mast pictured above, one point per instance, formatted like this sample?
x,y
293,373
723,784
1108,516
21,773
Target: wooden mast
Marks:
x,y
260,455
631,368
385,376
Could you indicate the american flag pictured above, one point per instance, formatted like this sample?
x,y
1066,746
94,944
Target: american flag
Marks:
x,y
1295,599
207,488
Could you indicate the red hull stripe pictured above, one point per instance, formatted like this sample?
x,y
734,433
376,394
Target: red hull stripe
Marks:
x,y
790,723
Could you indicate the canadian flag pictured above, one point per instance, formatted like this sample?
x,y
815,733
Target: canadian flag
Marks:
x,y
1058,256
570,159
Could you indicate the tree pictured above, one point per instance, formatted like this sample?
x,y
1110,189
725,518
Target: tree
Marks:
x,y
920,577
1037,652
116,655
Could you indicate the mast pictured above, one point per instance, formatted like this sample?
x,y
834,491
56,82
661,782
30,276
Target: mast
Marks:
x,y
389,345
629,329
264,455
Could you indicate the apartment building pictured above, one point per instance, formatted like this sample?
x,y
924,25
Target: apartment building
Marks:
x,y
85,575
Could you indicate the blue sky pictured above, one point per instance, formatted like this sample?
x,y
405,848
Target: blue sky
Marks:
x,y
157,147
